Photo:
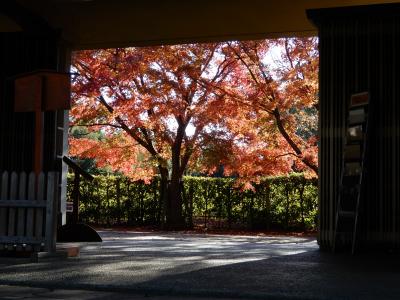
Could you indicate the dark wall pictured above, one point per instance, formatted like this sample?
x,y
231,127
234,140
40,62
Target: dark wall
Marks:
x,y
22,52
360,51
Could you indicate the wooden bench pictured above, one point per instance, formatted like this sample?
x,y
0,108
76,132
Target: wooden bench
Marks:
x,y
28,212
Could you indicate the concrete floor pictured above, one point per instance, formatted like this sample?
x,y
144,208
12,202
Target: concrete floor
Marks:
x,y
8,292
181,265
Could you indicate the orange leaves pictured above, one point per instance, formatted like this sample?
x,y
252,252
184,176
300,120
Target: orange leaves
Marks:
x,y
152,95
115,152
83,147
252,116
279,83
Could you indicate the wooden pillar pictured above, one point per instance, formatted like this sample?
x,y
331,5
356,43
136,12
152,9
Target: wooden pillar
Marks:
x,y
360,52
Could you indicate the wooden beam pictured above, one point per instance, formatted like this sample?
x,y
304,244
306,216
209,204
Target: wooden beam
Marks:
x,y
26,19
121,23
77,169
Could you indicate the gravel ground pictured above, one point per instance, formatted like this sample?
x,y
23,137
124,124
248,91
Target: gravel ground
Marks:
x,y
175,264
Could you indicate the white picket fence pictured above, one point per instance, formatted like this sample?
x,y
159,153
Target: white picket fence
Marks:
x,y
28,211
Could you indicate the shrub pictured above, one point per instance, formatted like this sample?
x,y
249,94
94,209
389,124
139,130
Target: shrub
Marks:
x,y
285,202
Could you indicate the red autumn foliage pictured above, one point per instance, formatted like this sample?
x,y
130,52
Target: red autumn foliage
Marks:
x,y
169,108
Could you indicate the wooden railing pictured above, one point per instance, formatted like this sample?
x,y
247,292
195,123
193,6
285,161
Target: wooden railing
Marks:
x,y
28,211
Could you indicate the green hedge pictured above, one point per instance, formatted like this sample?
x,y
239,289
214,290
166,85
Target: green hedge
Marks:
x,y
287,202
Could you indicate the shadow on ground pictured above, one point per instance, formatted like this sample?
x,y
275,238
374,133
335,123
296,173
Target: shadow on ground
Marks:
x,y
222,266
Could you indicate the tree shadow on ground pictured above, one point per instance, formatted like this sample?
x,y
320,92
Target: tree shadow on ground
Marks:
x,y
251,267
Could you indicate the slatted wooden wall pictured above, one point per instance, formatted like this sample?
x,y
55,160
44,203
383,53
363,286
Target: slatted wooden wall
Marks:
x,y
20,53
28,211
360,51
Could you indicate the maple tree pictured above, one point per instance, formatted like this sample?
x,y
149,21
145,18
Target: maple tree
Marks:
x,y
162,99
162,110
282,94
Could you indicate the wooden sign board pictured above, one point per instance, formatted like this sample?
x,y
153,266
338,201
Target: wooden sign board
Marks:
x,y
359,99
42,90
57,91
28,93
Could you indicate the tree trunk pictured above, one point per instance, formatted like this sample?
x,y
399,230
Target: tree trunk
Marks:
x,y
174,216
163,195
171,201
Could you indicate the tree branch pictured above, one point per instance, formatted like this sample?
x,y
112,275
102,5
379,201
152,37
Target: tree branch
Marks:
x,y
129,131
286,154
97,124
287,52
291,142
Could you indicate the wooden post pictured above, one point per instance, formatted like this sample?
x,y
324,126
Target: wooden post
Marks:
x,y
12,210
76,196
3,211
78,171
268,204
206,206
21,211
51,211
229,207
30,214
40,195
38,142
39,91
118,194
